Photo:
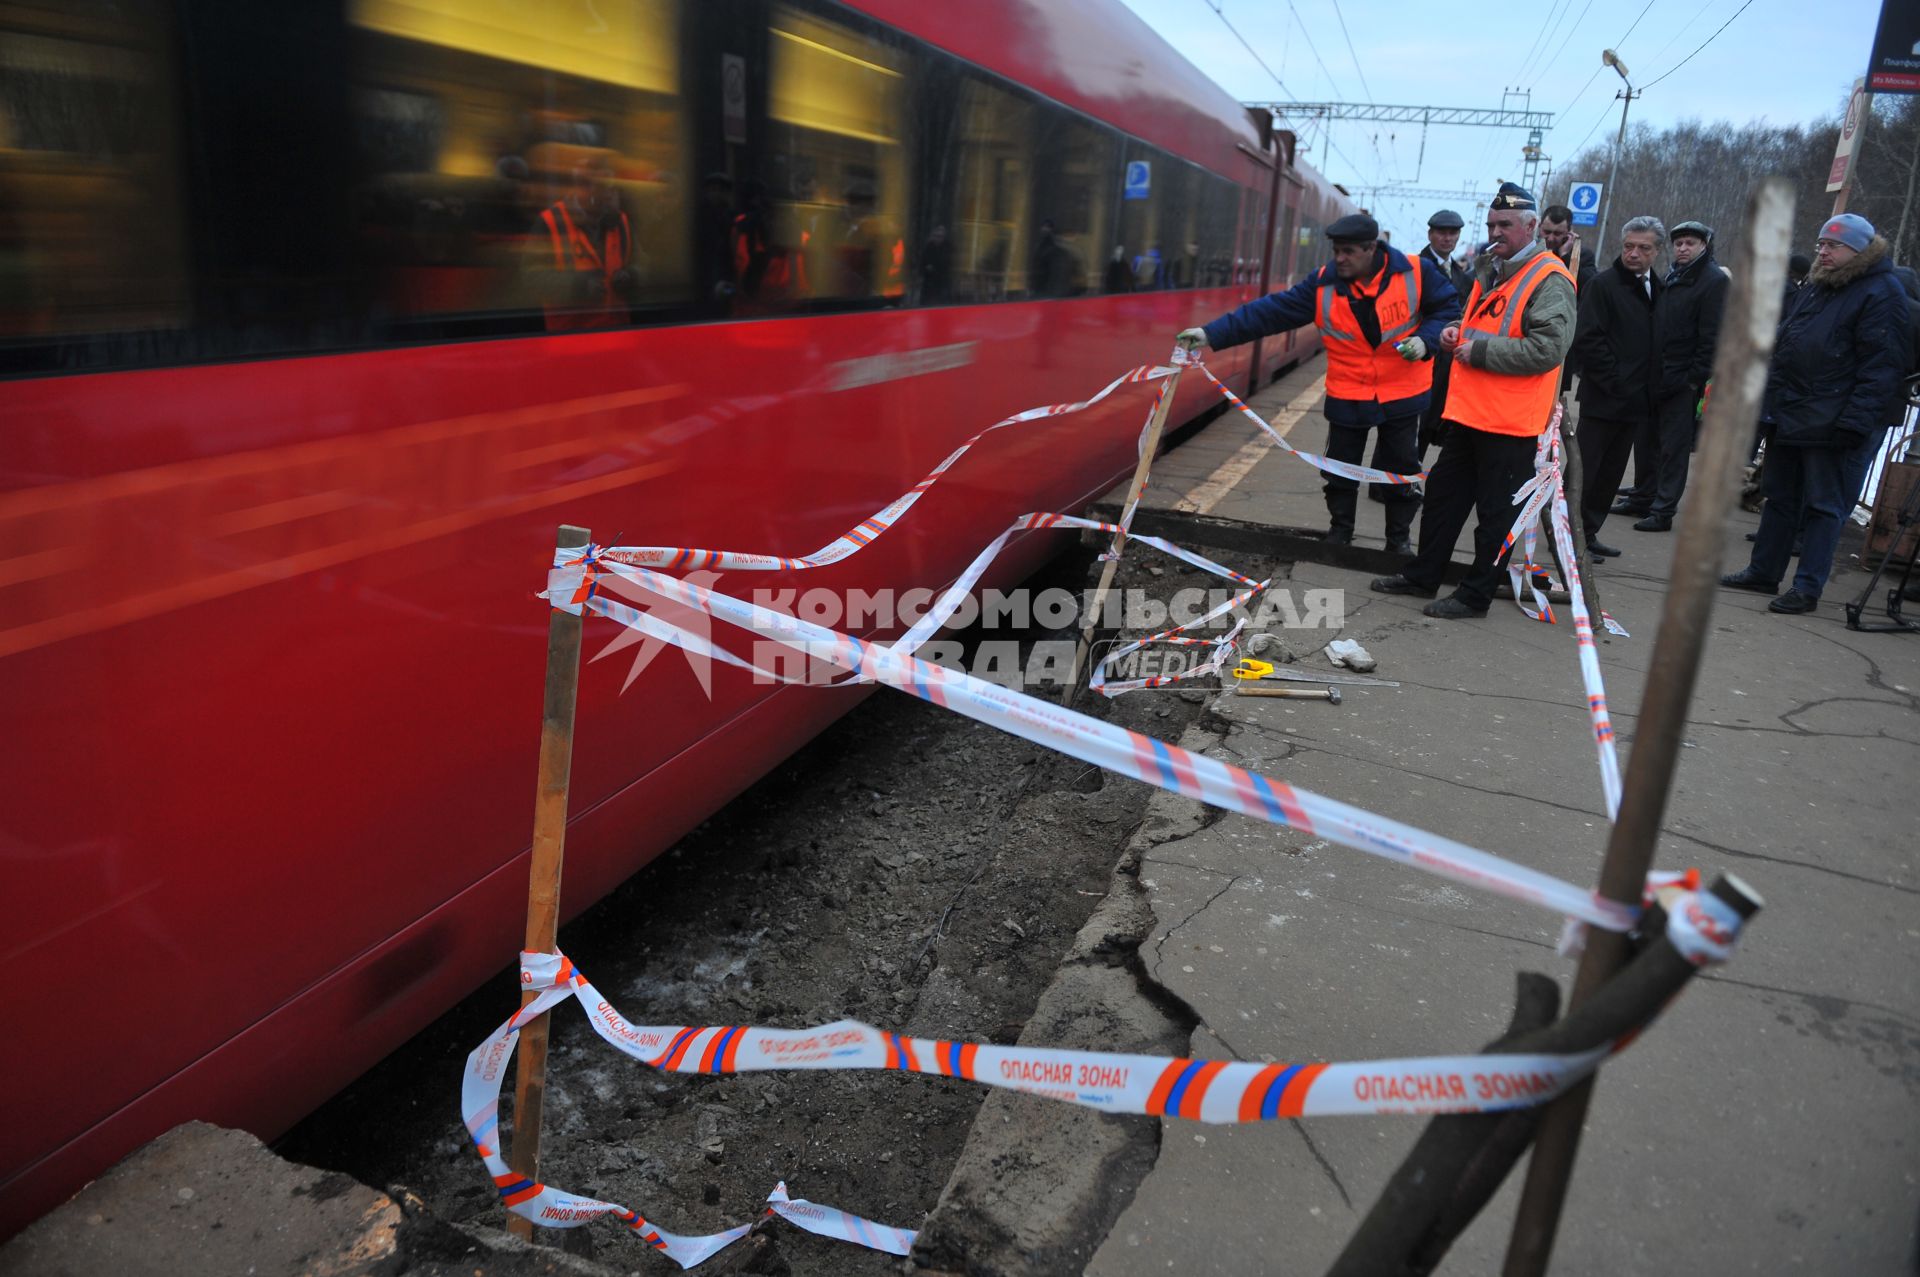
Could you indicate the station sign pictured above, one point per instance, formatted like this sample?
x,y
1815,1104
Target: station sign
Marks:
x,y
1895,65
1584,202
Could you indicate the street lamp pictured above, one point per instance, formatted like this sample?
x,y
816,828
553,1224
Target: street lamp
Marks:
x,y
1609,58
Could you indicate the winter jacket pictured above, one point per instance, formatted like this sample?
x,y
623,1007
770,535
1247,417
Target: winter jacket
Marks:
x,y
1297,306
1548,323
1839,360
1689,325
1617,344
1458,273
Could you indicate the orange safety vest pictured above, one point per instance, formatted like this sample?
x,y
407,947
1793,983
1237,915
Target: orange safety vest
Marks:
x,y
573,250
1358,371
1504,403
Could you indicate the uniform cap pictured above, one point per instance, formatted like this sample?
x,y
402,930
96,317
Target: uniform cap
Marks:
x,y
1513,195
1446,220
1354,228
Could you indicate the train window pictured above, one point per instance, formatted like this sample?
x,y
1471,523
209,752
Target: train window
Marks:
x,y
1217,225
522,161
997,249
831,224
1076,167
92,232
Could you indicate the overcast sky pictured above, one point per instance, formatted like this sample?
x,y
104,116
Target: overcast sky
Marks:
x,y
1787,61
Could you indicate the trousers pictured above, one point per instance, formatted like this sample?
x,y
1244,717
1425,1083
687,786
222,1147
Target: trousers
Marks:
x,y
1813,490
1477,471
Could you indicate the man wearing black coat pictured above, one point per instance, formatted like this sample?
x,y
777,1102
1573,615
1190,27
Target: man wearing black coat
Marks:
x,y
1836,383
1689,330
1443,237
1617,346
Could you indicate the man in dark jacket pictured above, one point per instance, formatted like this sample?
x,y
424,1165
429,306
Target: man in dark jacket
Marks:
x,y
1443,237
1618,348
1689,328
1835,385
1380,317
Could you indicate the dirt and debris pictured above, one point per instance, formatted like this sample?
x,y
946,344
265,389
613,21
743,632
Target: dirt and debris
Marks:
x,y
910,868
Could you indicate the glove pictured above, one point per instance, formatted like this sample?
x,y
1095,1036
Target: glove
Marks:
x,y
1413,350
1192,338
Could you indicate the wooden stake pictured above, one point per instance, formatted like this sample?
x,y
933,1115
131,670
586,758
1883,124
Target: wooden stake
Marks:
x,y
1740,378
1136,491
543,887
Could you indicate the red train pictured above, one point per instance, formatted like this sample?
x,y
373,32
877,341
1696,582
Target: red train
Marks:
x,y
300,383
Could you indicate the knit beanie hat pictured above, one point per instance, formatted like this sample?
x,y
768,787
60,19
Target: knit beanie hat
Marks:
x,y
1851,229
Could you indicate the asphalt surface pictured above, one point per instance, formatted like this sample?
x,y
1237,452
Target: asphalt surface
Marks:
x,y
1767,1123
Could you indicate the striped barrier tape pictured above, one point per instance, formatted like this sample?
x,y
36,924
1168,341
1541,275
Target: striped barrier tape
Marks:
x,y
1345,469
1213,1091
1103,744
1545,491
864,533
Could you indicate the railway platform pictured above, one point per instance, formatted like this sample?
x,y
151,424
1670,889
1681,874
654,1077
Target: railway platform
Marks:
x,y
1767,1123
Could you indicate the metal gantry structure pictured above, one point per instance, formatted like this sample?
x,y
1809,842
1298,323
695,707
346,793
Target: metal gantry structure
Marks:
x,y
1501,117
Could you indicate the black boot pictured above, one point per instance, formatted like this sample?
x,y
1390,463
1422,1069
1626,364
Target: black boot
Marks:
x,y
1340,511
1400,514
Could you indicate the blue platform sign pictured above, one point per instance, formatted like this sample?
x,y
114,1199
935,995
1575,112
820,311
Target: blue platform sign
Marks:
x,y
1139,180
1585,203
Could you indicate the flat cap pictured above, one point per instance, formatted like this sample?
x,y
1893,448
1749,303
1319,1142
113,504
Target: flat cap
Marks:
x,y
1513,195
1699,230
1446,220
1354,228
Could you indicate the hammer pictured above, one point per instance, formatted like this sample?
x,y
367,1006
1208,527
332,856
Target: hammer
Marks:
x,y
1294,693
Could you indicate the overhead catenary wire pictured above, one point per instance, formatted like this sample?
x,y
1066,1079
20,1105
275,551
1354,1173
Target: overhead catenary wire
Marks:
x,y
1545,41
1565,41
1333,90
1326,134
1596,73
1703,44
1357,69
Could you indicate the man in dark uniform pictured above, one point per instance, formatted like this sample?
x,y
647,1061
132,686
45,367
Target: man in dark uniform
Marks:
x,y
1443,237
1380,316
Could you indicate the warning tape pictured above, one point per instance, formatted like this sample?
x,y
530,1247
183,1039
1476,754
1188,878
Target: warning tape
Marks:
x,y
1345,469
1103,744
1214,1091
1546,490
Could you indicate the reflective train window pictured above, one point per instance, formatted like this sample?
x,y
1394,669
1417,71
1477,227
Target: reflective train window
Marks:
x,y
92,230
994,231
1076,167
831,221
522,158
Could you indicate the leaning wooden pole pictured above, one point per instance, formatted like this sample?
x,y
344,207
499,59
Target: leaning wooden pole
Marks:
x,y
1740,378
543,886
1142,470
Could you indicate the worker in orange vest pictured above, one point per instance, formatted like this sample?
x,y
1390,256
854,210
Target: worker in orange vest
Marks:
x,y
1507,353
590,250
1380,316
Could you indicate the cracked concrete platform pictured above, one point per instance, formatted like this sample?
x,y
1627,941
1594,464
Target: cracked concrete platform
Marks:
x,y
1769,1122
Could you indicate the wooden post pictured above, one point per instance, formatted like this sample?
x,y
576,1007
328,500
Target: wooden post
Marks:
x,y
1135,491
543,887
1740,378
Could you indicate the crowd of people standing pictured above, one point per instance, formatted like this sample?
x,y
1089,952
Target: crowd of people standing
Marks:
x,y
1427,351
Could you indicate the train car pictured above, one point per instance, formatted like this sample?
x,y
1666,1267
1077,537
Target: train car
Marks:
x,y
318,317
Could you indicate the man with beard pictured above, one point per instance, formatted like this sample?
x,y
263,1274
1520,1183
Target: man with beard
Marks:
x,y
1380,316
1834,386
1507,352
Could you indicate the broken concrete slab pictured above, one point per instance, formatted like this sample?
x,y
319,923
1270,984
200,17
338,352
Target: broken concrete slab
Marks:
x,y
203,1199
